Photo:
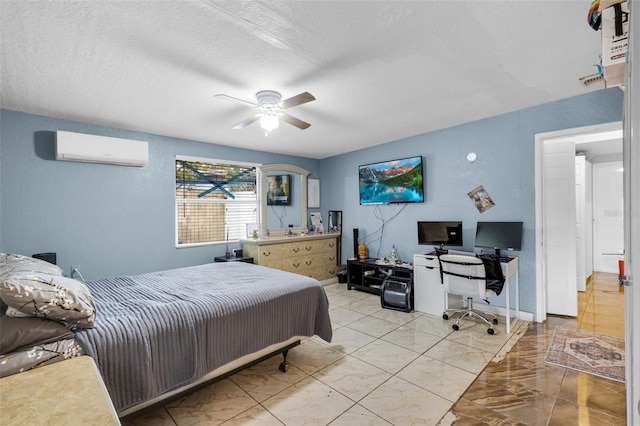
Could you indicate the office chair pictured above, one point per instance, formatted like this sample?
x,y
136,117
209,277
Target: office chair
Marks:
x,y
467,276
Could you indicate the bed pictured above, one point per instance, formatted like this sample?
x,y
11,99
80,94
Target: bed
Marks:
x,y
155,335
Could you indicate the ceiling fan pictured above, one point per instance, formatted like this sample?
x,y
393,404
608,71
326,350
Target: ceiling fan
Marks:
x,y
271,107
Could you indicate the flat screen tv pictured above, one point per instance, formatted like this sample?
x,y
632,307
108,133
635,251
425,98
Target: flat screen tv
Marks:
x,y
499,235
440,233
394,181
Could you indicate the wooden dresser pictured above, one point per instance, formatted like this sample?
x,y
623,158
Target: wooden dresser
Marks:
x,y
311,255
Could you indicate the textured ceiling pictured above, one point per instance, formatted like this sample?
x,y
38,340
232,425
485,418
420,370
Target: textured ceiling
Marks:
x,y
380,70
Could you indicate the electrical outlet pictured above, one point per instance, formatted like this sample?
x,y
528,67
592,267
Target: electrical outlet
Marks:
x,y
74,269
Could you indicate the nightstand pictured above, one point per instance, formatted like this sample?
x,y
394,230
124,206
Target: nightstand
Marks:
x,y
233,259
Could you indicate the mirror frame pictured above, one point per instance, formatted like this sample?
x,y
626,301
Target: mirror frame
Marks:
x,y
263,170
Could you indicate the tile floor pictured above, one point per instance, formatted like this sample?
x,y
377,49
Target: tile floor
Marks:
x,y
387,367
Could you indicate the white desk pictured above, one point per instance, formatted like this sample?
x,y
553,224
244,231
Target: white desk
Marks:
x,y
429,297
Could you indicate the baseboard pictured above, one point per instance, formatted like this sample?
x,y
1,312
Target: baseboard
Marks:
x,y
333,280
499,310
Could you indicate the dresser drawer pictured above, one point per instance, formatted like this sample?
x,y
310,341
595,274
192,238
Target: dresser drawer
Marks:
x,y
324,272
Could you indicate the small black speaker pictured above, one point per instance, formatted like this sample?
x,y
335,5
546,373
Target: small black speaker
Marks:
x,y
355,242
47,257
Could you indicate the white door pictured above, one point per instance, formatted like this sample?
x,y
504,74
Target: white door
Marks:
x,y
631,178
559,226
581,204
608,225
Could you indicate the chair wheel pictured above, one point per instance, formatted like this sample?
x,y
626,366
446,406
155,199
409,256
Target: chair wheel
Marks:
x,y
445,316
495,321
284,367
455,327
490,330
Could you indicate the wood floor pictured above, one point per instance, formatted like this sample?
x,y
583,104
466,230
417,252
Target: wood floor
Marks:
x,y
524,390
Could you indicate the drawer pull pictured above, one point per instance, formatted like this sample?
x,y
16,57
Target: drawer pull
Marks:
x,y
332,271
428,267
295,265
332,258
332,245
295,250
266,253
307,248
308,262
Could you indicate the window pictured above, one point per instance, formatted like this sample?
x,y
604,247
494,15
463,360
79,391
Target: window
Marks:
x,y
215,200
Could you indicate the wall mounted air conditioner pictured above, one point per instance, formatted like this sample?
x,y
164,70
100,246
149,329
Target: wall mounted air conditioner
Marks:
x,y
100,149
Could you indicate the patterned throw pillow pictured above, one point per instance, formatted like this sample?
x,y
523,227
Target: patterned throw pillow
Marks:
x,y
49,296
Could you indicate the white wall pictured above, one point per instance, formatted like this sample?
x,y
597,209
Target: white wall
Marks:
x,y
583,221
608,226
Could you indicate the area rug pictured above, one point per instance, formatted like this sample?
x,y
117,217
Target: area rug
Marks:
x,y
587,352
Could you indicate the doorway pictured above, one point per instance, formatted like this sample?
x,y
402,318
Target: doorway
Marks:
x,y
556,211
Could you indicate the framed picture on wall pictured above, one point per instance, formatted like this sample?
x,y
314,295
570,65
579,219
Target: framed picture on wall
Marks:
x,y
279,190
313,193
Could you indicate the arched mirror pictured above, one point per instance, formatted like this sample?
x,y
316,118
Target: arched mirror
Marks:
x,y
283,204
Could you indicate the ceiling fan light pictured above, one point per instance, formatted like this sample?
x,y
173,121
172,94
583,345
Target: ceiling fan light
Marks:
x,y
269,122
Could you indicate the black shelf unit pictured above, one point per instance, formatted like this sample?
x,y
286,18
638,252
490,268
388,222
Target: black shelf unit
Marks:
x,y
366,275
233,259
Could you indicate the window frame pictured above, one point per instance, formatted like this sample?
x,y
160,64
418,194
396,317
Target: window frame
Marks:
x,y
258,200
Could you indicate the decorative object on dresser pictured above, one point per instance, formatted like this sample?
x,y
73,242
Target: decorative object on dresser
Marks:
x,y
310,255
335,226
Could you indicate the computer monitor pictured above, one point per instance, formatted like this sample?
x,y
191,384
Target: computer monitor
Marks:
x,y
440,233
499,235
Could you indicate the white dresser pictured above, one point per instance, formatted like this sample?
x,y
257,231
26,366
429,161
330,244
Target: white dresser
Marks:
x,y
311,255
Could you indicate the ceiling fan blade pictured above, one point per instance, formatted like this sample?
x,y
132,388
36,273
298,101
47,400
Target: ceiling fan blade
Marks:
x,y
295,121
240,101
246,122
296,100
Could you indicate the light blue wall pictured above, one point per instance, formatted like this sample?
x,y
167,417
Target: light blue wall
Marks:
x,y
114,220
110,220
505,167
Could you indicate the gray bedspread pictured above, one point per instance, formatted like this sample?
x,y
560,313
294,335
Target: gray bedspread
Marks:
x,y
158,331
